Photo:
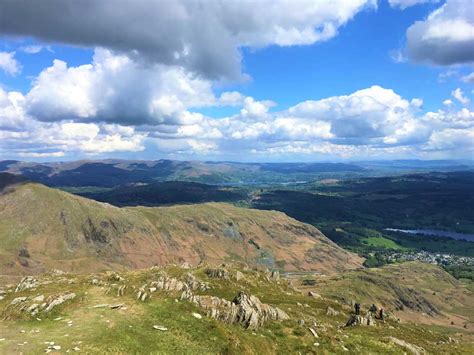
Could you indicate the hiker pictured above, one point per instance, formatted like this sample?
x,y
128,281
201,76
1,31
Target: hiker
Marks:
x,y
357,308
373,309
381,315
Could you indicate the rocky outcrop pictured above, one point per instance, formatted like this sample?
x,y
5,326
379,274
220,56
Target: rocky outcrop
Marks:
x,y
360,320
246,310
35,305
273,275
413,349
171,284
26,283
217,273
56,301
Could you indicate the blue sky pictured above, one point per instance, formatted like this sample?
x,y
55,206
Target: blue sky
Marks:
x,y
365,80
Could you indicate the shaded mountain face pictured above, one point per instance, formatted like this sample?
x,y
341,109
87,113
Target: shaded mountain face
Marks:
x,y
7,180
166,192
43,228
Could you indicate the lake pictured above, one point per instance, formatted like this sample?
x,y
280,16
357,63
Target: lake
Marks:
x,y
438,233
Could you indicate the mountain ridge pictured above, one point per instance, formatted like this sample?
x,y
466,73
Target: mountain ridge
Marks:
x,y
43,228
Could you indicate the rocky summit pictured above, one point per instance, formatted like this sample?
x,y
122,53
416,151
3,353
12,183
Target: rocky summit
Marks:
x,y
185,309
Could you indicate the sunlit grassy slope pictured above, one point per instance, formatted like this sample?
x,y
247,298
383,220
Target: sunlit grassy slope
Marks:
x,y
77,324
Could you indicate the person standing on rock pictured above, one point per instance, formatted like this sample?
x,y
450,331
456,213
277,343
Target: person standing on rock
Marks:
x,y
357,308
381,315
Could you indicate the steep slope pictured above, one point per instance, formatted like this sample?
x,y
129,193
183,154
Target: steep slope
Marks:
x,y
43,228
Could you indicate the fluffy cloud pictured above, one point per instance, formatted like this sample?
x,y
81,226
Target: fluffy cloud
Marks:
x,y
22,135
446,37
68,138
12,115
374,115
9,64
115,104
117,89
459,95
461,140
202,36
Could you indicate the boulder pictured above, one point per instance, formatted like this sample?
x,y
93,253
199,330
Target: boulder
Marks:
x,y
331,311
272,275
239,276
314,294
313,332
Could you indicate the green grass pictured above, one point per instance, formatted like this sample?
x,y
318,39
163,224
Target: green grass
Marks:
x,y
106,331
381,242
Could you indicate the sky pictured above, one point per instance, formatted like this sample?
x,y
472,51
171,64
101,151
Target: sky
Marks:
x,y
239,81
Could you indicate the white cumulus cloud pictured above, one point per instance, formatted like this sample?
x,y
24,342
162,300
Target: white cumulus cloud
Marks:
x,y
117,89
9,64
459,95
445,37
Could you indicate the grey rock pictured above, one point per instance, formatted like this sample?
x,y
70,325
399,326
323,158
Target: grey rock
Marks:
x,y
59,300
26,283
331,311
17,300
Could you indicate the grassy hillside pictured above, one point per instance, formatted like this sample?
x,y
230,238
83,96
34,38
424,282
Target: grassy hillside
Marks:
x,y
98,320
413,291
41,228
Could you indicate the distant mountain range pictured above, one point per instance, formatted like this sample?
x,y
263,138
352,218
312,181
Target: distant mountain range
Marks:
x,y
111,173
